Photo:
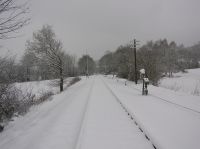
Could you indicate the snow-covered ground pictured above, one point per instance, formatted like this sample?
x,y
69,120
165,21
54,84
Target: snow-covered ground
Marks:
x,y
106,125
52,125
180,98
184,82
86,116
40,87
170,119
101,112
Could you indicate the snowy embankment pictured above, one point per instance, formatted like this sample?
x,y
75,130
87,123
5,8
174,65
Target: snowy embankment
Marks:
x,y
183,82
171,119
38,88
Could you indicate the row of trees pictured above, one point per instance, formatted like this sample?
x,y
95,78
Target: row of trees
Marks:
x,y
12,18
86,65
159,58
44,58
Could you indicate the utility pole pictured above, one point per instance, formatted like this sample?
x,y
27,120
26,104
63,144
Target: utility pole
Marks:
x,y
135,58
87,64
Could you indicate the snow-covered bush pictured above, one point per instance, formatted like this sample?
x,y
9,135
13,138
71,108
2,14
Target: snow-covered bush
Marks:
x,y
8,101
45,96
74,80
15,101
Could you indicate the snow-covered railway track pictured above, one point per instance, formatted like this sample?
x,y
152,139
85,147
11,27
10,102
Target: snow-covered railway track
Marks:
x,y
130,115
176,104
83,119
166,100
107,126
167,125
170,102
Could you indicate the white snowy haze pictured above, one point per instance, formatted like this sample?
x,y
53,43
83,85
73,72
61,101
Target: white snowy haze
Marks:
x,y
101,25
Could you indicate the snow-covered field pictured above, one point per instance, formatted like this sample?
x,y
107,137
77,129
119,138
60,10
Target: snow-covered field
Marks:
x,y
103,112
183,82
40,87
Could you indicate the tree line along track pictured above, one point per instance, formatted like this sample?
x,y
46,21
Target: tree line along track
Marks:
x,y
130,115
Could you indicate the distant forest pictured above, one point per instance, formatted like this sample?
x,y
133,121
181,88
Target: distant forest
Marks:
x,y
159,58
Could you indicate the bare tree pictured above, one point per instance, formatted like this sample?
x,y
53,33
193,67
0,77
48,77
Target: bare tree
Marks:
x,y
28,62
69,62
12,17
7,70
47,48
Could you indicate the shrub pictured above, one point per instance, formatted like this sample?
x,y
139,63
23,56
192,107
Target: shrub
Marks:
x,y
8,101
14,101
74,80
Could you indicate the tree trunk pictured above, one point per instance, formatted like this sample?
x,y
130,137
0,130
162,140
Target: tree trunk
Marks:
x,y
61,79
61,84
27,74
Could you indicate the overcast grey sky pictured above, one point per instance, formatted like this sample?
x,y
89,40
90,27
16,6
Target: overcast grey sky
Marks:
x,y
101,25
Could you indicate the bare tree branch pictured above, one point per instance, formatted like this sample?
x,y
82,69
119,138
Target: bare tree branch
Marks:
x,y
12,17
